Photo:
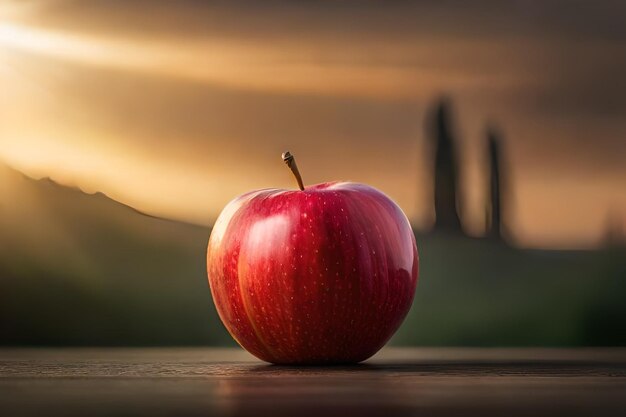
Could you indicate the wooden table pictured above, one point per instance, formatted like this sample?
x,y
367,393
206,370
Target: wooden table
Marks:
x,y
229,382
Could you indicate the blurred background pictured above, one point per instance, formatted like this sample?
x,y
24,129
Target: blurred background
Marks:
x,y
499,128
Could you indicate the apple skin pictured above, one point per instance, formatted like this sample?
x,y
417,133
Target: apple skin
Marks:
x,y
320,276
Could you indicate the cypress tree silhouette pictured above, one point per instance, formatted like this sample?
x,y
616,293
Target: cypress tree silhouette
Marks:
x,y
614,236
439,129
495,184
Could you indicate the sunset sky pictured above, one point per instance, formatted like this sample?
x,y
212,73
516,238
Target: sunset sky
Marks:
x,y
177,107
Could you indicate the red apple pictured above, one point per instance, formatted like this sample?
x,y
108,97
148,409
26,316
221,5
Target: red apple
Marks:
x,y
321,275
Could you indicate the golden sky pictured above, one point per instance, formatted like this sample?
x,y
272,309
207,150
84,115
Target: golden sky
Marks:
x,y
177,107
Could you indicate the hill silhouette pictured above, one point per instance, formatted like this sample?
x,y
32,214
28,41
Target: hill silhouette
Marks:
x,y
79,268
83,269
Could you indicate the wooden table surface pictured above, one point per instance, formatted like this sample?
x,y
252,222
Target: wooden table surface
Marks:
x,y
229,382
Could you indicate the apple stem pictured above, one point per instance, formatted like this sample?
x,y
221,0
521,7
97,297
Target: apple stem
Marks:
x,y
291,163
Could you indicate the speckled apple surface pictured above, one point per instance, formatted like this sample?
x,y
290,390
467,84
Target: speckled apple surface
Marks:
x,y
319,276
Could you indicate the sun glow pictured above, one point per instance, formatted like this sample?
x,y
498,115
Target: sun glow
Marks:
x,y
15,36
286,67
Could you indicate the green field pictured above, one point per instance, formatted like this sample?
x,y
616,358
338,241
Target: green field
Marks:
x,y
82,269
